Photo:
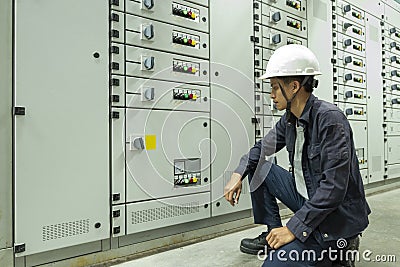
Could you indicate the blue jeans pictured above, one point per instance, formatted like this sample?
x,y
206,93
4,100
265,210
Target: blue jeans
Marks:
x,y
280,184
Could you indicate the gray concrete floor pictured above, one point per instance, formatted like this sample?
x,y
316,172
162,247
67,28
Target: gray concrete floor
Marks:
x,y
382,237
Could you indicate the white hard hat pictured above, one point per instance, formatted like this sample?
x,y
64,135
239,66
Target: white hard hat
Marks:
x,y
292,60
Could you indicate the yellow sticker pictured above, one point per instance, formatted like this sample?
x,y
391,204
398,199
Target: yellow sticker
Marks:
x,y
151,142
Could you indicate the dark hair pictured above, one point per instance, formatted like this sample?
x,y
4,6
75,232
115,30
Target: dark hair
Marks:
x,y
308,86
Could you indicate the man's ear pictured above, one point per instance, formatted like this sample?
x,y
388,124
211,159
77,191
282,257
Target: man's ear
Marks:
x,y
295,86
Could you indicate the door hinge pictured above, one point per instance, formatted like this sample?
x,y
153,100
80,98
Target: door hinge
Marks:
x,y
20,111
19,248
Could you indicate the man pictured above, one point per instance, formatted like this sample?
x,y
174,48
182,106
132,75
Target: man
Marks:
x,y
325,189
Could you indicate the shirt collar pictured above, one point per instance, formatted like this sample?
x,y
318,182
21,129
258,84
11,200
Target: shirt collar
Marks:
x,y
305,115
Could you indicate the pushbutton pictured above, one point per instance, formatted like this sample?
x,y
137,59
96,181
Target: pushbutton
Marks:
x,y
359,96
392,30
393,59
346,8
395,73
192,42
148,31
393,44
395,101
357,47
175,11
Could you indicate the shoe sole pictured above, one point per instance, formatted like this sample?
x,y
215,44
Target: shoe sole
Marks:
x,y
251,251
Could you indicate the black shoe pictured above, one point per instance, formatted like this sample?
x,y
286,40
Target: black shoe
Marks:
x,y
254,245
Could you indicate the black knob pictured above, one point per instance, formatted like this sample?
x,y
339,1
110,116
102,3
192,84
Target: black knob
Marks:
x,y
276,17
349,111
149,31
347,42
149,4
276,39
149,63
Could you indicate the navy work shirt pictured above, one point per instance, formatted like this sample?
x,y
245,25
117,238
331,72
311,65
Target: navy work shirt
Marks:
x,y
337,207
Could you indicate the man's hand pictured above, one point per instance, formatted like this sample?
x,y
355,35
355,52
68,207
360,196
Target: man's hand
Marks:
x,y
233,189
278,237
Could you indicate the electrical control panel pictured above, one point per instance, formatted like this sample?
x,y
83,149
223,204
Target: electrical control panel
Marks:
x,y
160,99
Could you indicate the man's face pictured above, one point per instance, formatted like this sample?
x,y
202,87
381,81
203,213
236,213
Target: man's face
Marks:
x,y
276,93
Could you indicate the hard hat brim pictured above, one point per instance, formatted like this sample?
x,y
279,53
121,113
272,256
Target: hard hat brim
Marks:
x,y
274,75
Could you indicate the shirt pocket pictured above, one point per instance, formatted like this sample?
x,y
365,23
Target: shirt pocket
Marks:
x,y
314,158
